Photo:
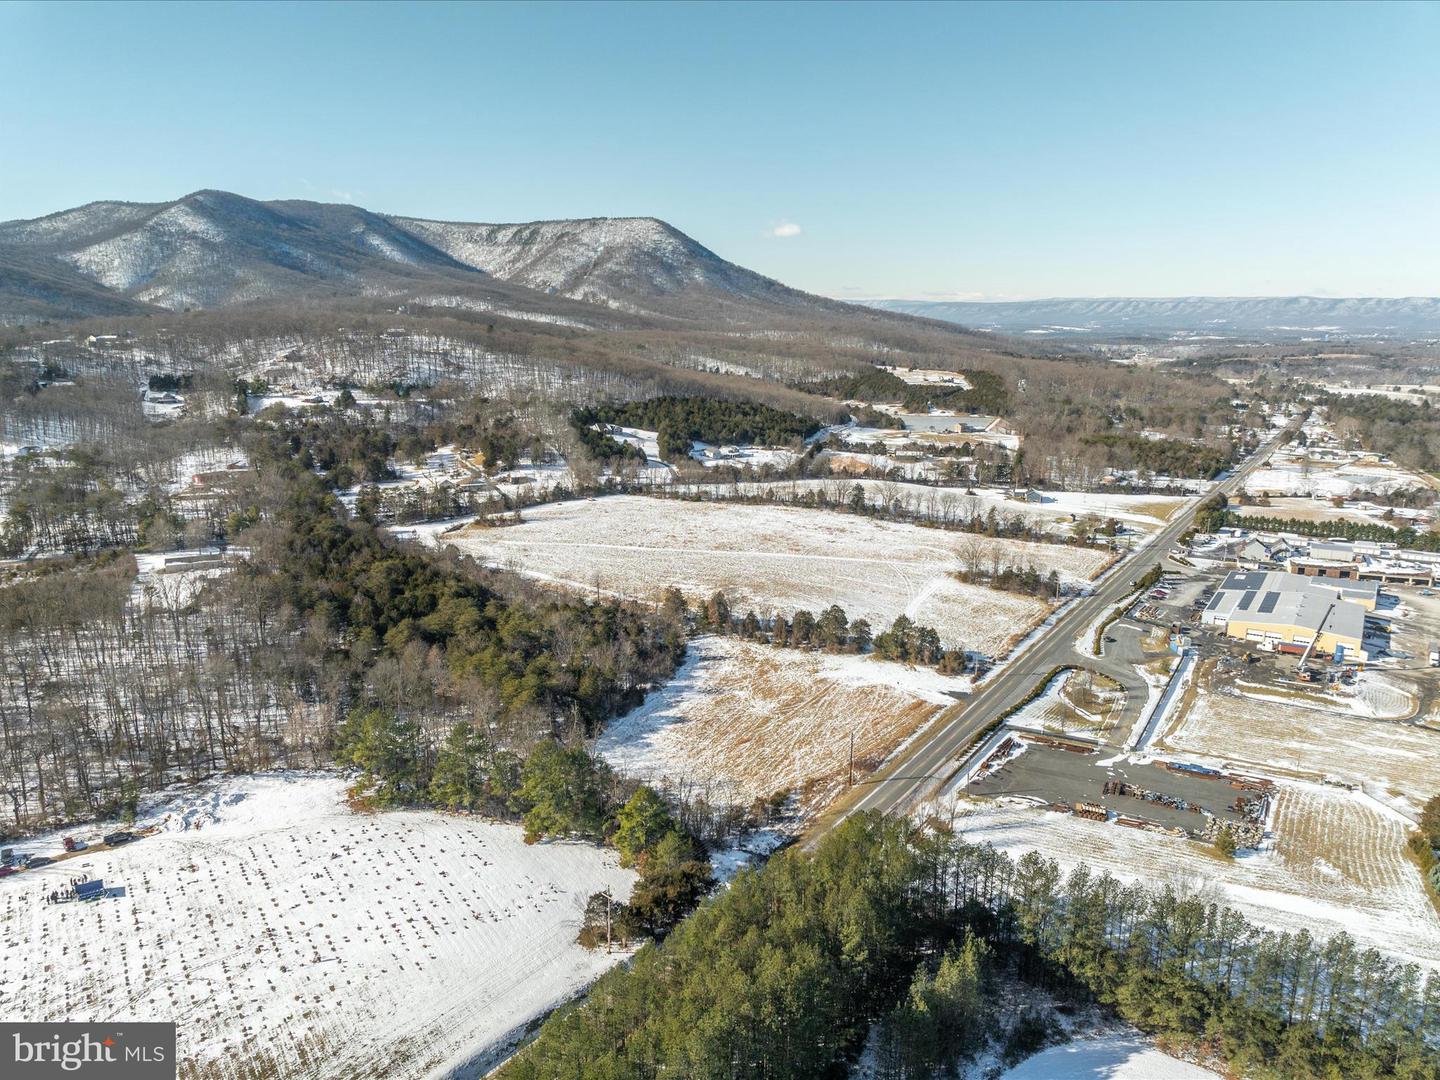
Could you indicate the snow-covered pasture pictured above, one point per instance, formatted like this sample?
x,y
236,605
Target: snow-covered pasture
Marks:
x,y
1338,861
292,932
1414,393
741,721
930,377
895,437
777,559
1312,509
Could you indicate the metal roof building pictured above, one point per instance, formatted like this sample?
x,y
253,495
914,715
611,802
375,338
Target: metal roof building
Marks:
x,y
1278,609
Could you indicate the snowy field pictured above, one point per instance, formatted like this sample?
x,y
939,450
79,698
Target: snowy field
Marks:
x,y
1412,392
743,721
1108,1057
1074,703
1394,762
929,377
1056,508
1337,862
1287,474
897,436
779,559
281,929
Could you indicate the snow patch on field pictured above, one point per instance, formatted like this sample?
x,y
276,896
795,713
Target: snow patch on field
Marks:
x,y
265,917
1287,473
1111,1057
742,721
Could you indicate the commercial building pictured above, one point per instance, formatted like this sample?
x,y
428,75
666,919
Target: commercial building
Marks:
x,y
1362,560
1291,613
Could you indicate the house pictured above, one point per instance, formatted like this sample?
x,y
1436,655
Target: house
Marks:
x,y
1255,552
1028,495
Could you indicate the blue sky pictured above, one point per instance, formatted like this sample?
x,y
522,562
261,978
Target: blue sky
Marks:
x,y
977,151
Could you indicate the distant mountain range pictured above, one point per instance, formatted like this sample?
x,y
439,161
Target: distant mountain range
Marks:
x,y
215,249
1271,318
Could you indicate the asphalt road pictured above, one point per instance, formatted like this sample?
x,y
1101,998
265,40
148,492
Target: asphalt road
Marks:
x,y
932,758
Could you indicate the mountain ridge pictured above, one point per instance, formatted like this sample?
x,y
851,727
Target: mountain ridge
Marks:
x,y
213,248
1281,316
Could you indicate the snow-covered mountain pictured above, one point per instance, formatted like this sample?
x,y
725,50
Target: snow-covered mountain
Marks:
x,y
215,249
623,262
212,249
1282,317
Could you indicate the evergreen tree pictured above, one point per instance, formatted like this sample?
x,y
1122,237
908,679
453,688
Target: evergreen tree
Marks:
x,y
1225,844
458,780
642,821
564,791
388,751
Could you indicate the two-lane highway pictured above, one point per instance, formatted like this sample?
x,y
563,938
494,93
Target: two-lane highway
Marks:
x,y
911,775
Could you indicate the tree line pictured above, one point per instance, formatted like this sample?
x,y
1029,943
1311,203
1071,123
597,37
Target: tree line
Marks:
x,y
682,421
781,975
554,791
928,506
1170,457
1410,538
906,641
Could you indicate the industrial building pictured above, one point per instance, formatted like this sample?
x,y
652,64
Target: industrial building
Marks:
x,y
1292,613
1365,561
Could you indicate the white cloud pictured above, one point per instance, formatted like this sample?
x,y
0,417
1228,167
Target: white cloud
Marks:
x,y
786,228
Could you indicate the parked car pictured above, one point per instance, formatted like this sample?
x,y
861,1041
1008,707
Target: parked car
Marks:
x,y
6,871
115,838
39,861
